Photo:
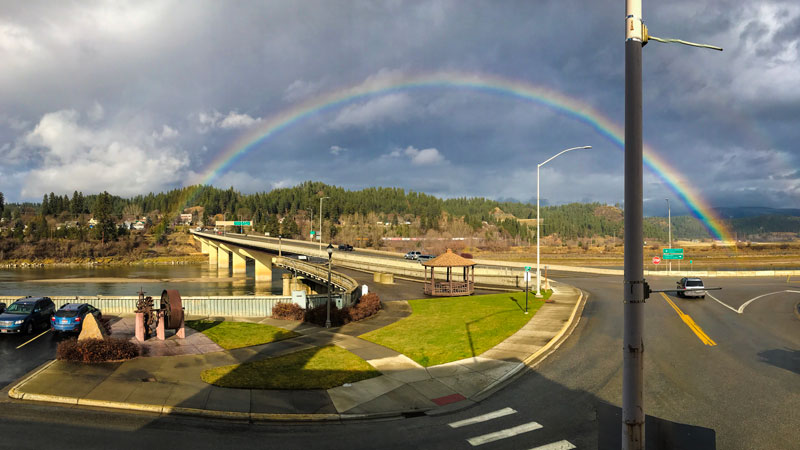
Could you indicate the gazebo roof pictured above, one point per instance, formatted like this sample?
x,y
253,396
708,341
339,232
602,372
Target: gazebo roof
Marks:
x,y
449,259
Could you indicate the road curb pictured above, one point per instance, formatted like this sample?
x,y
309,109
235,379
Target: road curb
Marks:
x,y
14,392
540,355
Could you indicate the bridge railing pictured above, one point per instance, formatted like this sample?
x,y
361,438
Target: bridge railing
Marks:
x,y
349,286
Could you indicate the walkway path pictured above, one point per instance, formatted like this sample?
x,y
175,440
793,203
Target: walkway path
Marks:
x,y
172,384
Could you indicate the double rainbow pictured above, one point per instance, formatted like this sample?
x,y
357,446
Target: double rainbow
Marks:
x,y
489,84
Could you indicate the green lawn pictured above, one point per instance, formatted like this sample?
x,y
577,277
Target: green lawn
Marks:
x,y
229,335
441,330
314,368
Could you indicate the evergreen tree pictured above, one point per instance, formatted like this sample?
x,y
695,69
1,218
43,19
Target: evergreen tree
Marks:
x,y
273,227
105,229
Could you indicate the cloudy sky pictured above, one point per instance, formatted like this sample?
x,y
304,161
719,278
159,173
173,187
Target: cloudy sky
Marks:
x,y
140,96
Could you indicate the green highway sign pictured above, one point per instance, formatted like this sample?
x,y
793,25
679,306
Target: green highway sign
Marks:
x,y
673,256
241,223
313,232
673,253
527,268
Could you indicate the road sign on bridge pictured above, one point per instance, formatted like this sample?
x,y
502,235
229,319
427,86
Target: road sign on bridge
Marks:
x,y
656,260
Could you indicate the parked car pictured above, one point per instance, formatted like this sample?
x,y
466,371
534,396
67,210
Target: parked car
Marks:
x,y
70,317
346,247
691,287
27,315
423,258
412,255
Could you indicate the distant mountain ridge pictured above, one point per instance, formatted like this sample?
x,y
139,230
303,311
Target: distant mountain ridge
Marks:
x,y
753,211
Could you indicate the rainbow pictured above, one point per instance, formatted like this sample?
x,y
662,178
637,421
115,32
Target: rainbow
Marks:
x,y
490,84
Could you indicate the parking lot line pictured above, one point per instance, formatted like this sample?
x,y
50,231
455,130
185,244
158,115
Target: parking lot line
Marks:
x,y
37,337
690,323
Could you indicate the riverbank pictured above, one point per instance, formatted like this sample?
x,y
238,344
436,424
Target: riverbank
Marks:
x,y
197,258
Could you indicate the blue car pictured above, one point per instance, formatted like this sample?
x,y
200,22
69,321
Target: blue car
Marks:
x,y
70,317
27,315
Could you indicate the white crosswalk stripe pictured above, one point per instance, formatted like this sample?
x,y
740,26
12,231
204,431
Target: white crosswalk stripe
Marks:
x,y
503,434
560,445
483,418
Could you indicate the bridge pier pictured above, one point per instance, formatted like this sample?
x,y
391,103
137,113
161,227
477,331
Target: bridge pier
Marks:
x,y
223,259
263,262
238,260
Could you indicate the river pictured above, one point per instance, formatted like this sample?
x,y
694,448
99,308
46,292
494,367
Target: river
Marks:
x,y
188,279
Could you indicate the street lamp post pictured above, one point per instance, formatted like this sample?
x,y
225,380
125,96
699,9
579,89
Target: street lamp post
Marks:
x,y
320,223
669,227
538,224
280,238
328,315
311,221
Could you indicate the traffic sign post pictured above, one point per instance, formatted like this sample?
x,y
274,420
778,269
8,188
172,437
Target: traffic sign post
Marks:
x,y
656,261
527,279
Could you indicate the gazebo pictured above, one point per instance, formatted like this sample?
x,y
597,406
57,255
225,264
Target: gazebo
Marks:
x,y
449,286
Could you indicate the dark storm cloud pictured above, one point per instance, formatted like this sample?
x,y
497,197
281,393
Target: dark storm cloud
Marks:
x,y
167,86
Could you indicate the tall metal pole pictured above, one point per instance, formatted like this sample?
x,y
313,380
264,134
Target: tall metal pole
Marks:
x,y
538,279
633,295
328,315
669,227
538,166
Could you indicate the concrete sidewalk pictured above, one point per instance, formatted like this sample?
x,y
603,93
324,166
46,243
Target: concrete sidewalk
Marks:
x,y
171,384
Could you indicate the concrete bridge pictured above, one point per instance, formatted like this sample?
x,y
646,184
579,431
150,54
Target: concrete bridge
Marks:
x,y
231,252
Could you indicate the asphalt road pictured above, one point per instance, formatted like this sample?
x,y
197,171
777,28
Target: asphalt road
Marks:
x,y
741,393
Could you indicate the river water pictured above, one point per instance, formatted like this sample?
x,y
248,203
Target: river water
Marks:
x,y
188,279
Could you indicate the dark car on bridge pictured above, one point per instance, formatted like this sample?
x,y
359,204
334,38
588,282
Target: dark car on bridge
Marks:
x,y
27,314
70,317
346,247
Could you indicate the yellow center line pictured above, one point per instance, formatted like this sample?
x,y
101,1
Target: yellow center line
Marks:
x,y
690,322
37,337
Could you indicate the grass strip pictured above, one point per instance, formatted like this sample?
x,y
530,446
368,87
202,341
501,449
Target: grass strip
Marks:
x,y
230,335
446,329
314,368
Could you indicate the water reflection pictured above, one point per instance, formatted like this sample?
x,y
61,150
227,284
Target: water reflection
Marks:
x,y
189,279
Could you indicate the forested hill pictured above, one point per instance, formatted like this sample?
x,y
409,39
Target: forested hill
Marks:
x,y
576,220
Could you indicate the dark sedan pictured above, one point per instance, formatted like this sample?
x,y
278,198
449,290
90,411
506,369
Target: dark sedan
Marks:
x,y
70,317
27,314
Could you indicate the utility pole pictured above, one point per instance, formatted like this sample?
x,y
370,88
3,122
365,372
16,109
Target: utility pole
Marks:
x,y
633,296
635,287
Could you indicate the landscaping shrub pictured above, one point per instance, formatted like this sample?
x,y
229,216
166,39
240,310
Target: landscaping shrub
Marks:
x,y
96,350
287,311
368,305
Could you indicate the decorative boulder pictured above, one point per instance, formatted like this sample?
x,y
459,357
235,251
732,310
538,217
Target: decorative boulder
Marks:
x,y
91,329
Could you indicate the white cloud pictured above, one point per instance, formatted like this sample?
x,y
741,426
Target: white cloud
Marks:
x,y
236,120
418,157
121,160
233,120
389,108
166,132
336,150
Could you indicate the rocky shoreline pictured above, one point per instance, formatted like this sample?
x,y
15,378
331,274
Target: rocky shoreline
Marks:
x,y
95,262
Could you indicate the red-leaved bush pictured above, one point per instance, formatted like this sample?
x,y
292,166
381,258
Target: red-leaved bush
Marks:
x,y
96,350
368,305
287,311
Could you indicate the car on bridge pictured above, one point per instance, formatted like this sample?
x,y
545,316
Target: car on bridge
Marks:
x,y
70,317
346,247
26,315
691,287
412,255
423,258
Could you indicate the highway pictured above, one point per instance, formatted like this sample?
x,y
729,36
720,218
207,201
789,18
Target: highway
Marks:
x,y
715,377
